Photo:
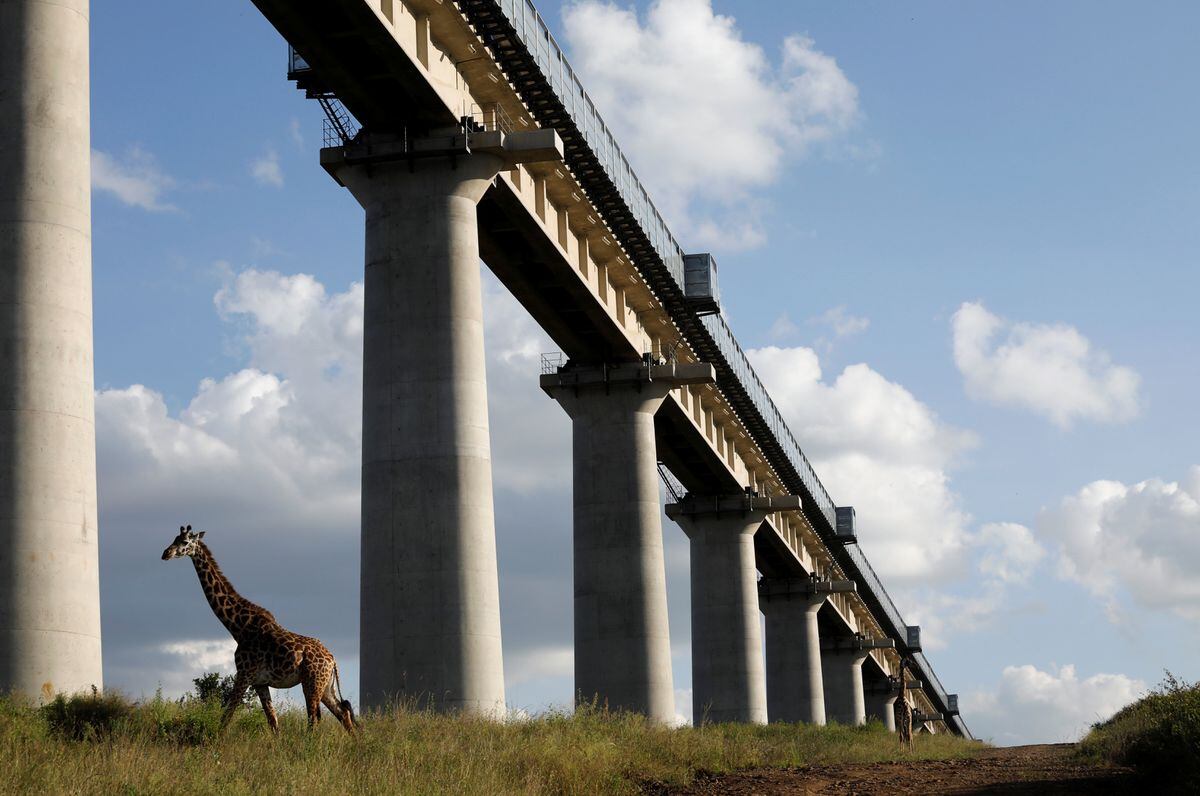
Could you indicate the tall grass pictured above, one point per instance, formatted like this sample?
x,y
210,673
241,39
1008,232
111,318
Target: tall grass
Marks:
x,y
105,744
1159,735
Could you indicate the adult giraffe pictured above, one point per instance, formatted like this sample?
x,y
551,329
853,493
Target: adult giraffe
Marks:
x,y
903,712
267,656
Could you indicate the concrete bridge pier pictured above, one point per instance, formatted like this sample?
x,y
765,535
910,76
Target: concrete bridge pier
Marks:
x,y
728,676
881,703
795,681
49,571
430,604
622,642
841,664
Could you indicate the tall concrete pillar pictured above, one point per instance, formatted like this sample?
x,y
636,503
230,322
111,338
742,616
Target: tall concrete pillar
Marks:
x,y
622,643
881,705
728,676
49,573
844,698
430,602
795,685
841,664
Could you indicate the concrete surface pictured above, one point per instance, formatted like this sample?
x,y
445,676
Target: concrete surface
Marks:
x,y
49,575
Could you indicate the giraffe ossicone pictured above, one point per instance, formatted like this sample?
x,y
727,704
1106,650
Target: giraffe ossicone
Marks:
x,y
267,656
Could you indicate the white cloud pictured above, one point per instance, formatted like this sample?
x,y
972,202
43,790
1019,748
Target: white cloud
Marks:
x,y
203,655
297,133
783,328
267,459
1029,705
878,448
135,179
533,663
1049,369
841,323
1004,557
1010,553
705,113
1142,541
266,169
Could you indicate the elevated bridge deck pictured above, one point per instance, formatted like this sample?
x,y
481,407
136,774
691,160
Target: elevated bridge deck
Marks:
x,y
584,249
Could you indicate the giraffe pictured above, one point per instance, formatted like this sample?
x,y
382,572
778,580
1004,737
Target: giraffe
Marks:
x,y
903,711
267,655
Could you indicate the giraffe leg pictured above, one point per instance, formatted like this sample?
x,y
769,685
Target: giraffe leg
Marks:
x,y
264,696
234,699
312,700
342,714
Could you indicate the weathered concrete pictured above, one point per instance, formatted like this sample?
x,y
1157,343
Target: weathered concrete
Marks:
x,y
49,575
842,670
622,642
728,676
795,683
430,605
880,705
841,665
430,599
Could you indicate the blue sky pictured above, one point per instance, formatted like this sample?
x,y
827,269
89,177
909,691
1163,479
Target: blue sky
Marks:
x,y
1034,160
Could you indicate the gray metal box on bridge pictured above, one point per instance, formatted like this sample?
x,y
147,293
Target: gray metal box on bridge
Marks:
x,y
914,638
700,283
846,530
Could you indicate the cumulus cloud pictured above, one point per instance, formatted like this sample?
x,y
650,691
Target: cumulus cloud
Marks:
x,y
1048,369
134,178
267,459
1029,705
1139,541
705,113
1003,557
266,170
880,449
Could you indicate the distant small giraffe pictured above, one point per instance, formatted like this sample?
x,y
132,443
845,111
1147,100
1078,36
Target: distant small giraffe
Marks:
x,y
267,655
903,712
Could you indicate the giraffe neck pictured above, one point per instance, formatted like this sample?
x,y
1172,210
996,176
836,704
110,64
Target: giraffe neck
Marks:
x,y
232,609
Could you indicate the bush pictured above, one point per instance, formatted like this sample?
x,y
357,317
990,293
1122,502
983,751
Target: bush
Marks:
x,y
1159,735
212,687
85,717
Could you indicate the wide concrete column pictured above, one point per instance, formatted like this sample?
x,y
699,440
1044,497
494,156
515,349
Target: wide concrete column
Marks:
x,y
622,642
430,602
795,683
880,705
841,665
728,675
844,700
49,573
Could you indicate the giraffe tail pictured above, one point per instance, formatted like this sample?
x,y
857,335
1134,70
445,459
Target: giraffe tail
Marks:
x,y
342,701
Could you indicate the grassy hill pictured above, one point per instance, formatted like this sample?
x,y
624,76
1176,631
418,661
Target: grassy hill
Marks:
x,y
107,744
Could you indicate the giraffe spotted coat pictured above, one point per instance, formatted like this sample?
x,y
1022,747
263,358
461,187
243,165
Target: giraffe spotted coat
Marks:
x,y
267,656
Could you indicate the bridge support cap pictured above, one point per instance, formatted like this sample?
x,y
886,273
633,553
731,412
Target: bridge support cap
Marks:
x,y
856,644
673,374
782,587
737,503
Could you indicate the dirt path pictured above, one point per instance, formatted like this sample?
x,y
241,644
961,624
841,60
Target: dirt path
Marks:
x,y
1049,769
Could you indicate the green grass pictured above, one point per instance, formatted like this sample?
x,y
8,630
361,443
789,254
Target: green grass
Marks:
x,y
106,744
1159,735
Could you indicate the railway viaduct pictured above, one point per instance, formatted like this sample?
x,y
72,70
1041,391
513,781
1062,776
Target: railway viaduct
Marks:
x,y
464,134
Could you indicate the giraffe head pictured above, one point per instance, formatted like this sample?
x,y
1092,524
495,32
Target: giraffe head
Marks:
x,y
185,544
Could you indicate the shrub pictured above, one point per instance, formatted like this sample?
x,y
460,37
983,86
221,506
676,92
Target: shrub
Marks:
x,y
212,687
83,717
1159,735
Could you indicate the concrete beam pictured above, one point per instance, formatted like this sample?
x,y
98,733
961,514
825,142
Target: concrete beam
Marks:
x,y
530,146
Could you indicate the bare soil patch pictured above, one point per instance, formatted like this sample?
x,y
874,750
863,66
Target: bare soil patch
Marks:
x,y
1045,769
